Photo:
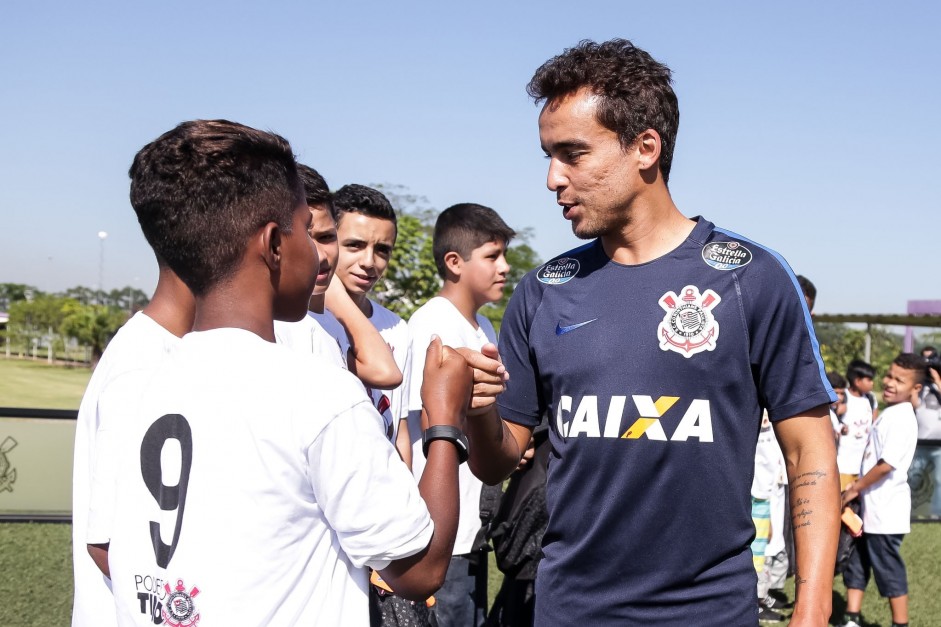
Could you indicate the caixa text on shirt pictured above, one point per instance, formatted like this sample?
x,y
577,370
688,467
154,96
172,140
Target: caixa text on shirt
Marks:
x,y
584,419
726,255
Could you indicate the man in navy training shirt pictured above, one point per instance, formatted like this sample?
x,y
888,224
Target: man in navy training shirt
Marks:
x,y
654,348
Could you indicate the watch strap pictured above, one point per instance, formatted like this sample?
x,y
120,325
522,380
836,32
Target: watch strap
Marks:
x,y
449,433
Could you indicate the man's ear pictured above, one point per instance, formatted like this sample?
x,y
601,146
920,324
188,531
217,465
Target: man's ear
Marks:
x,y
453,263
648,145
268,241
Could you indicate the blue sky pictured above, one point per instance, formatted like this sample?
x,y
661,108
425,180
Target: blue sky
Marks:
x,y
809,127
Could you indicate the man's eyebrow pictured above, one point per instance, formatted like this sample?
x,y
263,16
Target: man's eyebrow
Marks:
x,y
566,145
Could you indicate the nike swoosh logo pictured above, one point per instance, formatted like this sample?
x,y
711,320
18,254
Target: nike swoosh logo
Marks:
x,y
560,330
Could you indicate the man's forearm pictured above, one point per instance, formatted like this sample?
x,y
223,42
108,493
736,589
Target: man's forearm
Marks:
x,y
494,446
813,480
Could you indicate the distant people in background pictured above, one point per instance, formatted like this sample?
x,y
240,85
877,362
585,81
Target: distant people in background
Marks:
x,y
837,408
768,467
857,420
810,292
886,496
928,403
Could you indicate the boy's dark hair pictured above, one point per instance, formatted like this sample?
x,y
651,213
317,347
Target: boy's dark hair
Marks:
x,y
836,380
916,363
635,90
859,369
464,227
810,292
316,191
202,189
354,198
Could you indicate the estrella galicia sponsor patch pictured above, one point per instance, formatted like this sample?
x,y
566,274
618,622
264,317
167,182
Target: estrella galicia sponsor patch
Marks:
x,y
688,326
726,255
558,271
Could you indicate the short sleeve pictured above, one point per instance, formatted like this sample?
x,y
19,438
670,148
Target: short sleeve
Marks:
x,y
522,401
900,442
783,347
366,492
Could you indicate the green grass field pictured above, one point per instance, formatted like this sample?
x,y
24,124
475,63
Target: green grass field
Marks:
x,y
36,562
36,577
26,383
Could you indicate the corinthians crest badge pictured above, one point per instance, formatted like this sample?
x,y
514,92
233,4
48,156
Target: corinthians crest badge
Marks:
x,y
688,326
179,610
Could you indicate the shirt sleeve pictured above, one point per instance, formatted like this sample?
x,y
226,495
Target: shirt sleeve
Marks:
x,y
900,441
783,347
522,402
366,492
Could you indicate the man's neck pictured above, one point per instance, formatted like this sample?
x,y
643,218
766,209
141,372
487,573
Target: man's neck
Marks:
x,y
462,301
656,227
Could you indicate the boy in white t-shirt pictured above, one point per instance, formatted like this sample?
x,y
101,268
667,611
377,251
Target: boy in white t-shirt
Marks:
x,y
140,344
469,249
253,484
366,230
856,420
886,496
376,366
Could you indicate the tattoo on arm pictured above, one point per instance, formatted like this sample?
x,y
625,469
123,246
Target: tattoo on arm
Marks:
x,y
800,510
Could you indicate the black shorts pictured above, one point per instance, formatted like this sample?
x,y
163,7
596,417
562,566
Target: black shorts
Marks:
x,y
878,553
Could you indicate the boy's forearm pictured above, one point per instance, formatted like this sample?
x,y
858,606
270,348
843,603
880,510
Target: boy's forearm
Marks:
x,y
372,361
496,446
875,475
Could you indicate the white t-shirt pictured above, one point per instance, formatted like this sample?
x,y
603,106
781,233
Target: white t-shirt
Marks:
x,y
767,453
282,501
887,504
440,317
140,344
858,418
308,337
390,403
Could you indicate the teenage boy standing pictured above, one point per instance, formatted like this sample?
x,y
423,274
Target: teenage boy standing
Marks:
x,y
238,499
469,246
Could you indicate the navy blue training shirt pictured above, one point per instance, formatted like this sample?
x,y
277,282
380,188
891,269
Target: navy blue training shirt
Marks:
x,y
654,377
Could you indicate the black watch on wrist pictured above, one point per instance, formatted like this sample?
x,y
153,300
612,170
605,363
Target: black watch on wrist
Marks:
x,y
449,433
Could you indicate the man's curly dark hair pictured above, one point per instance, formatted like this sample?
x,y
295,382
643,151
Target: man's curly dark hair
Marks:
x,y
635,90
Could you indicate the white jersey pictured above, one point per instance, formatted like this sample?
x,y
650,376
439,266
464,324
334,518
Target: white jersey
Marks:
x,y
858,420
245,502
440,317
887,504
389,402
140,344
309,338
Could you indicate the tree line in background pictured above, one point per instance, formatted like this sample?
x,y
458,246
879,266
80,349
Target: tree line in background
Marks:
x,y
86,319
74,325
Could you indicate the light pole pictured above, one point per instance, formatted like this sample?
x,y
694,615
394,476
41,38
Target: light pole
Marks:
x,y
101,264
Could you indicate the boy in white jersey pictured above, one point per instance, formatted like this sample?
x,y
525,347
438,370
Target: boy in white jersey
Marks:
x,y
141,343
856,420
238,500
366,230
886,496
376,366
469,249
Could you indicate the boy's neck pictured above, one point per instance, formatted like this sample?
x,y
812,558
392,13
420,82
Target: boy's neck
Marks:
x,y
854,392
227,306
172,306
462,300
362,301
